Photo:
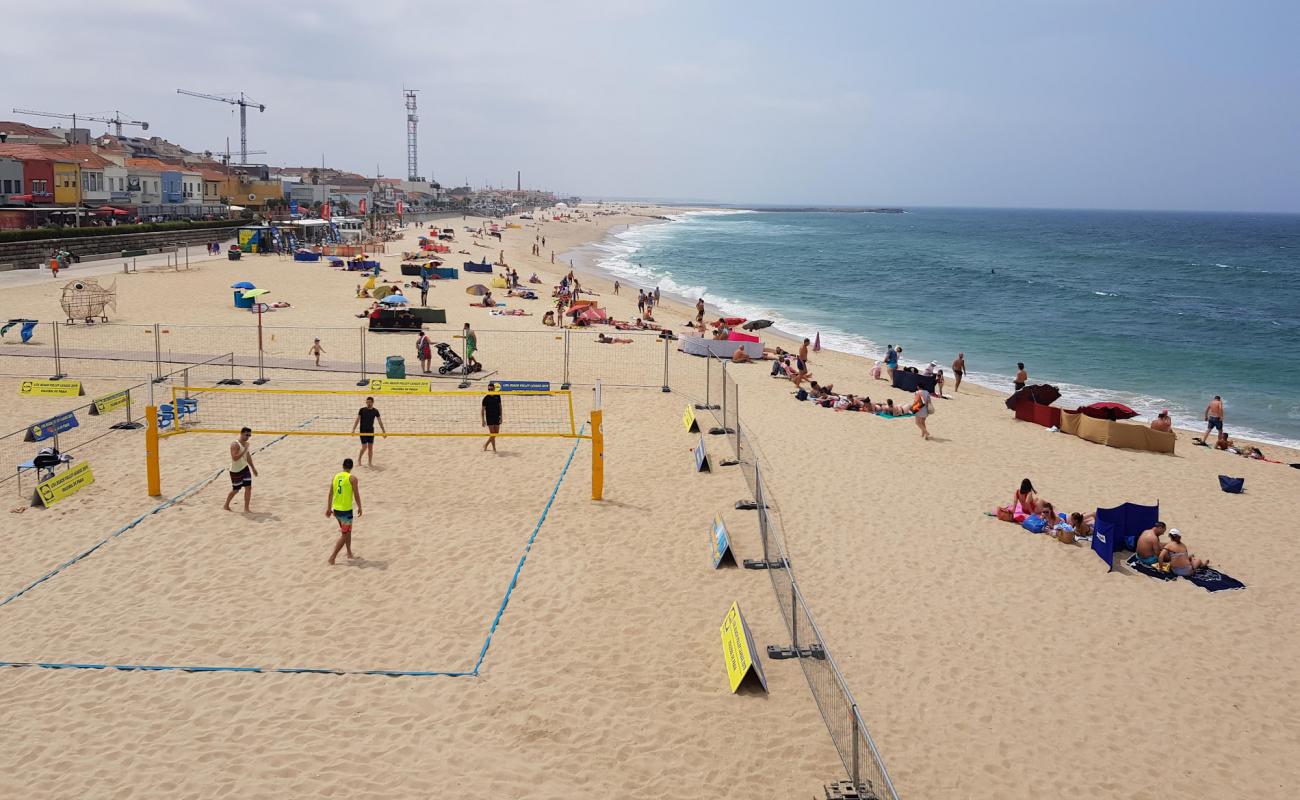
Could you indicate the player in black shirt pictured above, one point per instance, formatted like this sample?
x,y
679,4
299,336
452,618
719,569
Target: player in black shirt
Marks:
x,y
491,414
366,419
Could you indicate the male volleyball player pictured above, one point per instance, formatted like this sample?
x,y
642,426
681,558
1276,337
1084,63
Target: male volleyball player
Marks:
x,y
366,418
344,493
241,468
490,413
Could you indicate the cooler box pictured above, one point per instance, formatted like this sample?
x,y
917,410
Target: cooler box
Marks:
x,y
241,301
233,255
395,367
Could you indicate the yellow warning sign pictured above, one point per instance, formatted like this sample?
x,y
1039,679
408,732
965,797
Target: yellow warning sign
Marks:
x,y
738,650
688,419
399,386
50,389
65,484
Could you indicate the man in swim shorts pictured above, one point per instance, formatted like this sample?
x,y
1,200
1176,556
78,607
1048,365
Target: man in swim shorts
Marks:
x,y
1022,377
344,496
958,369
366,418
1149,544
1214,416
241,469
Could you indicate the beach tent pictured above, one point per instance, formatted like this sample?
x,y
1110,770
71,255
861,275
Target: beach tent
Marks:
x,y
498,282
1118,528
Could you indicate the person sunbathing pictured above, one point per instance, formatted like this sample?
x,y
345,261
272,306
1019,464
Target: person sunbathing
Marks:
x,y
1025,498
1176,558
549,319
740,356
1069,531
1226,444
1254,452
603,339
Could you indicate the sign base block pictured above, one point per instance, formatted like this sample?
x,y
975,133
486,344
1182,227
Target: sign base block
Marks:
x,y
758,563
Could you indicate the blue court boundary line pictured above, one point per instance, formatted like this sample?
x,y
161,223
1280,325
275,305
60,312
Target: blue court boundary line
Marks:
x,y
514,581
168,503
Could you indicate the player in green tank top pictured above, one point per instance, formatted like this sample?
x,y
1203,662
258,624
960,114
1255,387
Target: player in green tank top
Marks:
x,y
344,497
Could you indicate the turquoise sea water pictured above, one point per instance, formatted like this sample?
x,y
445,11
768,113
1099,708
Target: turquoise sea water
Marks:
x,y
1156,310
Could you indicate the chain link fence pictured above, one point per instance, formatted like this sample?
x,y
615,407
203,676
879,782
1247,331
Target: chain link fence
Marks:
x,y
862,761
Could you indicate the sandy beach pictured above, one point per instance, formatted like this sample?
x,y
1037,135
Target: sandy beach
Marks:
x,y
987,661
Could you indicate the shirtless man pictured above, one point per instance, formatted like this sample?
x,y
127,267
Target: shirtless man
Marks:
x,y
1162,422
802,362
958,369
699,311
1181,562
1213,416
1149,544
1022,377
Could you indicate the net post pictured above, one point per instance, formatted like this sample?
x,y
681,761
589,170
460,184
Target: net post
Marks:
x,y
185,376
58,357
794,618
363,379
564,382
665,388
597,445
736,400
152,471
157,355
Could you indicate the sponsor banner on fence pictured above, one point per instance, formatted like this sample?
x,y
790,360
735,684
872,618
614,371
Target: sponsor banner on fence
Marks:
x,y
110,402
721,543
524,386
399,386
51,389
51,427
65,484
738,650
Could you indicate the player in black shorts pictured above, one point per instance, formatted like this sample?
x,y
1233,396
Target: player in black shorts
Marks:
x,y
367,416
491,414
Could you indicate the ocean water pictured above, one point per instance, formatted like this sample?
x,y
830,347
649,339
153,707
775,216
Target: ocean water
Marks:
x,y
1156,310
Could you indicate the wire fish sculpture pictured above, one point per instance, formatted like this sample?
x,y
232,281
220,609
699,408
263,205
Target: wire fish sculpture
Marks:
x,y
84,299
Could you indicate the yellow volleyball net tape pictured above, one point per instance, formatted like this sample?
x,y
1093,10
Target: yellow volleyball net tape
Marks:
x,y
406,408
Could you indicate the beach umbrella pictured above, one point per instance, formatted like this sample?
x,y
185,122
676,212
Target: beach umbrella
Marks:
x,y
1111,411
394,300
242,285
249,294
756,324
817,343
1041,393
477,289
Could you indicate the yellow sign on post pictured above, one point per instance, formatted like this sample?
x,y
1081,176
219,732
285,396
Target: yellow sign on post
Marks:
x,y
688,420
110,402
65,484
51,389
399,386
738,650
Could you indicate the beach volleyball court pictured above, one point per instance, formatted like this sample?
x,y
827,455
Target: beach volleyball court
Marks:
x,y
440,543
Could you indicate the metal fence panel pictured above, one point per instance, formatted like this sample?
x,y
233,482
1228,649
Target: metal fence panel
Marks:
x,y
632,358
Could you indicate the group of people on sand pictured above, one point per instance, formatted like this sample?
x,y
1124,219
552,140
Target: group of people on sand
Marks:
x,y
794,367
1037,515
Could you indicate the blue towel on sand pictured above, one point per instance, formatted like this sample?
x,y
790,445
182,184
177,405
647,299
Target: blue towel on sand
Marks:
x,y
891,416
1211,580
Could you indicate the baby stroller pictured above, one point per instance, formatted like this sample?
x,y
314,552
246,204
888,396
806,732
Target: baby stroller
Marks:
x,y
450,360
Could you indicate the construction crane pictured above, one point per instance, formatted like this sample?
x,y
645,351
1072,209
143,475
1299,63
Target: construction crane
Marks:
x,y
224,155
115,120
243,103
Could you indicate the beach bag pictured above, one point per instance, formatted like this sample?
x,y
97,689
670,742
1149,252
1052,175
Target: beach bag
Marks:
x,y
1232,485
1034,524
802,394
1006,514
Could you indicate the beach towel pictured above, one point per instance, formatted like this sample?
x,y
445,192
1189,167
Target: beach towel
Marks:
x,y
891,416
1211,580
1232,485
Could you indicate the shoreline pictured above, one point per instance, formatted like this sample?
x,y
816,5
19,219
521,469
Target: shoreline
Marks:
x,y
587,257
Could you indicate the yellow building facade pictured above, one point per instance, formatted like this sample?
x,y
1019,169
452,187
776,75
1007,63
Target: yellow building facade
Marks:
x,y
67,183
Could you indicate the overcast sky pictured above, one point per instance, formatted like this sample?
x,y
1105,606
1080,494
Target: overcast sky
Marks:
x,y
1043,103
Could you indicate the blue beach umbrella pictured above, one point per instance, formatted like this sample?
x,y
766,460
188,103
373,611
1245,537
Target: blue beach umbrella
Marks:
x,y
242,285
394,300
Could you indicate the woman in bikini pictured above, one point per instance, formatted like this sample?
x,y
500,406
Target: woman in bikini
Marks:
x,y
1181,561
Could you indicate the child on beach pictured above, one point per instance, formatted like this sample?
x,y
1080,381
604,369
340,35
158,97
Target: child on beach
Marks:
x,y
316,350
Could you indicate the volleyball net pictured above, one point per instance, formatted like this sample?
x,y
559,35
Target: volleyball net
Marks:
x,y
207,409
